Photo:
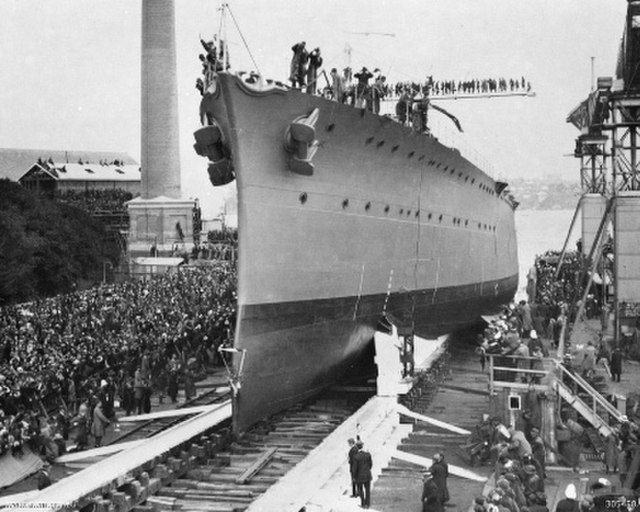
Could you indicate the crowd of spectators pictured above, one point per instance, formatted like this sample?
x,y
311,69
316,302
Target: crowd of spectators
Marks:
x,y
518,457
96,200
113,342
472,86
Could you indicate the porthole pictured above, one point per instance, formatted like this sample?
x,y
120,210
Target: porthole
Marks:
x,y
345,203
331,127
410,155
303,198
395,148
367,206
380,144
386,209
440,218
369,140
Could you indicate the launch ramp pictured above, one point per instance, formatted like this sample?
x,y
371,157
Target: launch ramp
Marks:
x,y
111,472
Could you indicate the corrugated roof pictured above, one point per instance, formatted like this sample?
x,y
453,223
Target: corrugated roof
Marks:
x,y
15,162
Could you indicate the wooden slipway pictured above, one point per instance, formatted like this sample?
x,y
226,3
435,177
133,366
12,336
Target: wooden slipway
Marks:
x,y
114,469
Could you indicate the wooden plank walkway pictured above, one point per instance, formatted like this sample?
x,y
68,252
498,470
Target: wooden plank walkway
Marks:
x,y
462,403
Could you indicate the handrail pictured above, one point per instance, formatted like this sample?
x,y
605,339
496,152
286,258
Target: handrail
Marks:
x,y
591,391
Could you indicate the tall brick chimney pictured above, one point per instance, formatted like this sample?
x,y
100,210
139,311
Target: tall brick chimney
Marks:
x,y
160,157
160,221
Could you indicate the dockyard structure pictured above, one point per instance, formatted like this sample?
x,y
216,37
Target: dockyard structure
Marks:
x,y
609,121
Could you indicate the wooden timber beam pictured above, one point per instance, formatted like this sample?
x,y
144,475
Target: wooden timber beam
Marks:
x,y
253,469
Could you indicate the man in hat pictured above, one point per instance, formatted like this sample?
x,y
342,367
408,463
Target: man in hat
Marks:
x,y
362,474
353,449
298,64
315,63
363,91
570,502
615,364
430,494
538,450
440,471
532,481
44,480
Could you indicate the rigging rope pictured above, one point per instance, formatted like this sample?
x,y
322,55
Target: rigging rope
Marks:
x,y
243,39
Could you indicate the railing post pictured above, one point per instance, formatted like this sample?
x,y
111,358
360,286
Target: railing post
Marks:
x,y
491,375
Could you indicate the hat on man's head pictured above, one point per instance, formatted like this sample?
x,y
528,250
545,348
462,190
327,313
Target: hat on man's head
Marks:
x,y
570,492
359,443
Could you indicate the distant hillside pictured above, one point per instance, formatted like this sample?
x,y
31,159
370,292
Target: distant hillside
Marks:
x,y
47,248
545,194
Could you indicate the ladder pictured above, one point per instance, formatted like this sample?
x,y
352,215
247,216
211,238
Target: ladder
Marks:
x,y
593,412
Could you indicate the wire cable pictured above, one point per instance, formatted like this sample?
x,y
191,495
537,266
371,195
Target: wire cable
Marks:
x,y
243,39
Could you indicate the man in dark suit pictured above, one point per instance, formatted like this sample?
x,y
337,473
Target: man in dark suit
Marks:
x,y
430,495
440,472
362,474
353,449
616,364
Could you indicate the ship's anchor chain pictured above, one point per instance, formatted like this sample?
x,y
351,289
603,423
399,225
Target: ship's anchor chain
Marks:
x,y
300,139
210,143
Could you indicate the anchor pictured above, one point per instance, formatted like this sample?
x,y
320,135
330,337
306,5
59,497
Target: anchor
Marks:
x,y
210,143
300,140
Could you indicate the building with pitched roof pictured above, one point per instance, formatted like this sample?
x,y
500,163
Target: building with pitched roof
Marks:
x,y
55,176
14,162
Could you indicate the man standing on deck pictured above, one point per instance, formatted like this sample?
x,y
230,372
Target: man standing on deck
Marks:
x,y
363,91
315,63
298,64
362,474
337,88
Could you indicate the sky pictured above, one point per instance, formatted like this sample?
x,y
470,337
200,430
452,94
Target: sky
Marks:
x,y
70,74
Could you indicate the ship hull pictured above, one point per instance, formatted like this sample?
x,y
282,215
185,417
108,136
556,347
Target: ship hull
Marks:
x,y
390,223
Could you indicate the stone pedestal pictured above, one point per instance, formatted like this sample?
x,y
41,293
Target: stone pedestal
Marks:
x,y
159,223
